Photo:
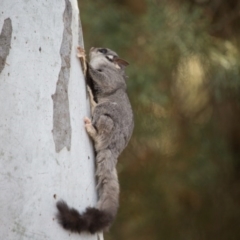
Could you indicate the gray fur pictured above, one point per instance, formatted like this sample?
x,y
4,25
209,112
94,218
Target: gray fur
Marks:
x,y
110,128
112,124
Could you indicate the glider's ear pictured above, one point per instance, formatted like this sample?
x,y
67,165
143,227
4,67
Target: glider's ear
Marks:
x,y
120,62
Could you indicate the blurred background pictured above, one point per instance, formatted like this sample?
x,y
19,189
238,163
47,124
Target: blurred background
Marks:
x,y
180,174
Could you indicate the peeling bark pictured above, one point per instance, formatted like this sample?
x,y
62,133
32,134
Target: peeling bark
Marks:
x,y
61,116
5,42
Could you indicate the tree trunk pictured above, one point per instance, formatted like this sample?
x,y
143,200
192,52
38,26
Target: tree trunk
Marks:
x,y
45,153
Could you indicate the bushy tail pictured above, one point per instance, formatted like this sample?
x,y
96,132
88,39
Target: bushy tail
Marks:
x,y
92,220
100,218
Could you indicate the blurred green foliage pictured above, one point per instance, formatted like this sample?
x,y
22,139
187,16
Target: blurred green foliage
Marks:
x,y
180,175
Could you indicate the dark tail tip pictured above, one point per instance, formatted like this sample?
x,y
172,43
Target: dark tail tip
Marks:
x,y
92,220
99,220
70,218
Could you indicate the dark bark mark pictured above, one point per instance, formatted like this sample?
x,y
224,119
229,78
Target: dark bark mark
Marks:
x,y
61,117
5,42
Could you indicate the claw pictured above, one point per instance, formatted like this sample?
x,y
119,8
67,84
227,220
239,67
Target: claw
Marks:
x,y
81,52
82,56
87,120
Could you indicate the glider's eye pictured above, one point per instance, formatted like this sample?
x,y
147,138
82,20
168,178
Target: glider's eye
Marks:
x,y
110,58
103,50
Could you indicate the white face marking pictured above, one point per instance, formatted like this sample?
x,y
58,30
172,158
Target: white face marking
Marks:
x,y
117,66
110,56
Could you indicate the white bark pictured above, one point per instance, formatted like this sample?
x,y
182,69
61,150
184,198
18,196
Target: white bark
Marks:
x,y
45,153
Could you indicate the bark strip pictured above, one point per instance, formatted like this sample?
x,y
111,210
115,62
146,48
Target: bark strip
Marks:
x,y
61,116
5,42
